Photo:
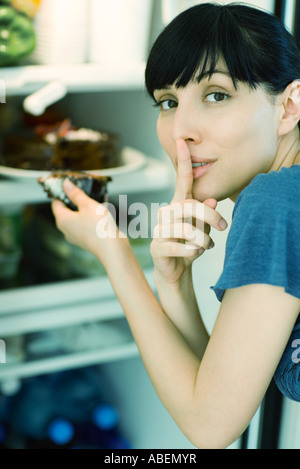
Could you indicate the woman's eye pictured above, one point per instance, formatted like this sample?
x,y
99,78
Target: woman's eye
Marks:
x,y
216,97
167,104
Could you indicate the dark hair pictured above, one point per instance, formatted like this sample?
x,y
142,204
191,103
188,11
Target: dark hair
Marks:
x,y
254,44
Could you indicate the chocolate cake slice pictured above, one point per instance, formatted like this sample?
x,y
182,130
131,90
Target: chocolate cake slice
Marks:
x,y
94,186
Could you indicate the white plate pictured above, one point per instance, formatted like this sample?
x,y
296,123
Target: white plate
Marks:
x,y
133,160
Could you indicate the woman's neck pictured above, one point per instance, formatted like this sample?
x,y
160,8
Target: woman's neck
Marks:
x,y
287,155
288,152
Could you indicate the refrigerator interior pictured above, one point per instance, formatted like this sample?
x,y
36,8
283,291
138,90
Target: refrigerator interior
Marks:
x,y
129,112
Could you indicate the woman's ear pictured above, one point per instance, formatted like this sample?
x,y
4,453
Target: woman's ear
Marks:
x,y
290,108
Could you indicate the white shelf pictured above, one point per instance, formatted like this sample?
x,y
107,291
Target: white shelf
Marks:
x,y
85,77
156,175
55,305
59,305
61,316
68,361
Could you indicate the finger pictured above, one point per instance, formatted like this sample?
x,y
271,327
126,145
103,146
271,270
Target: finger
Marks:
x,y
175,249
183,232
195,212
59,208
212,203
76,195
222,225
185,178
61,214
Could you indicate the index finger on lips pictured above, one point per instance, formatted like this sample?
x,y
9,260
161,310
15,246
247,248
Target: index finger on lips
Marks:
x,y
184,178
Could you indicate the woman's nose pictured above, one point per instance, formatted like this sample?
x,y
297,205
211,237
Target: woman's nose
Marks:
x,y
186,125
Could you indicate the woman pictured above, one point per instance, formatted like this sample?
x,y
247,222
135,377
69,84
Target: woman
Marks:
x,y
225,79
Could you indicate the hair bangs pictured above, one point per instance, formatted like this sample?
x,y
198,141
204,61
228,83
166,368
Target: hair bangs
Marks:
x,y
192,44
182,49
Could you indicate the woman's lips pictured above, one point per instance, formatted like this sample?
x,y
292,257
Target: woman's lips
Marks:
x,y
201,170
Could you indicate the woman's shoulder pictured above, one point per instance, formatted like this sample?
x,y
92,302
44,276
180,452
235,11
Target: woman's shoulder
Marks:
x,y
275,189
264,235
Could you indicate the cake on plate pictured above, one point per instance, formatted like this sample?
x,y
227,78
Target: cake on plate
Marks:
x,y
61,147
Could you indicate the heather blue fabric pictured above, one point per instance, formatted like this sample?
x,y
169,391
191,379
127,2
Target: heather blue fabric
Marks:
x,y
287,376
263,247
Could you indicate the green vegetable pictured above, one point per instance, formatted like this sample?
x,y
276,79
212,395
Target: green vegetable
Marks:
x,y
17,36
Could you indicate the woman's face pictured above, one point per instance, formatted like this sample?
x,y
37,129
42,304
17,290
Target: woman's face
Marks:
x,y
234,131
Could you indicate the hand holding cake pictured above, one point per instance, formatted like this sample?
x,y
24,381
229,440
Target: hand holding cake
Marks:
x,y
81,227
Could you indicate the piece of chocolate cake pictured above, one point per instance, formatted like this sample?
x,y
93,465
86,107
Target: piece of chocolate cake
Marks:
x,y
94,186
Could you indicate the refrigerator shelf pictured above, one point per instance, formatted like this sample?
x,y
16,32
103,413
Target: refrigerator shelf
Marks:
x,y
68,361
156,175
64,306
86,77
42,307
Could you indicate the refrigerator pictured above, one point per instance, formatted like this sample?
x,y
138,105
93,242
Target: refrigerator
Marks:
x,y
60,303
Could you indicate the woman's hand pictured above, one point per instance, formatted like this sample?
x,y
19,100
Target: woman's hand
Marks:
x,y
92,228
182,233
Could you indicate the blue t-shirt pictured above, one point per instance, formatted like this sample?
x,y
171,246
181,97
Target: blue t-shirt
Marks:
x,y
263,247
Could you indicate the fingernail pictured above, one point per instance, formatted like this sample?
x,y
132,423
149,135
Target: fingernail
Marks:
x,y
223,224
